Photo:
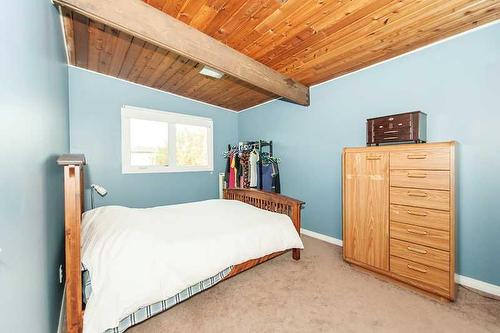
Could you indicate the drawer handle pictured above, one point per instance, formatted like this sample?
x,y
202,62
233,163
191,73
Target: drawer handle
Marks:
x,y
417,194
375,157
417,232
388,132
413,249
421,270
390,137
416,213
416,156
417,175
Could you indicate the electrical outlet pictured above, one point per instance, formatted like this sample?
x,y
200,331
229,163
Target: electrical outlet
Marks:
x,y
60,274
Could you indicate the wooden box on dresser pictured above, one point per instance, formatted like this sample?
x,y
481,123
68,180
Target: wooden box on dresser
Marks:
x,y
399,213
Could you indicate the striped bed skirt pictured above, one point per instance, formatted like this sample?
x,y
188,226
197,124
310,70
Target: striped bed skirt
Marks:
x,y
151,310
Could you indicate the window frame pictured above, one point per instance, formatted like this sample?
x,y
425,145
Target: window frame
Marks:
x,y
172,118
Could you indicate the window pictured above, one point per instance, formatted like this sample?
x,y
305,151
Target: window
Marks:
x,y
157,141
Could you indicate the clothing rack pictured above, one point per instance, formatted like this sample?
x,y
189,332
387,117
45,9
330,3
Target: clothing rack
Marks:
x,y
243,145
259,144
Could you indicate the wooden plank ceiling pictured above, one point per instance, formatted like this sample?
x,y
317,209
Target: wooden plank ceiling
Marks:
x,y
310,41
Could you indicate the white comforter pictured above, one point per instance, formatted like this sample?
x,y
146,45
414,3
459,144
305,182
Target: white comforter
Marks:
x,y
137,257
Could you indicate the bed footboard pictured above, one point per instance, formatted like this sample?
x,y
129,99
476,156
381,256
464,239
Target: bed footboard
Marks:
x,y
270,201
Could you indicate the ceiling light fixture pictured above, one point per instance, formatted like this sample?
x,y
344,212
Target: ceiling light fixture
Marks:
x,y
212,72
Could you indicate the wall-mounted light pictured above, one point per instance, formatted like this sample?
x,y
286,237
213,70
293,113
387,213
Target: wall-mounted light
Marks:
x,y
212,72
99,189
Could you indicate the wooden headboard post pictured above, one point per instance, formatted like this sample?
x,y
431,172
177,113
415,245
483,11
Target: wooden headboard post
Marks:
x,y
73,209
270,201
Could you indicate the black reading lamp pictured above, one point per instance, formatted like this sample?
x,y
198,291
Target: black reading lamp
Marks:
x,y
99,189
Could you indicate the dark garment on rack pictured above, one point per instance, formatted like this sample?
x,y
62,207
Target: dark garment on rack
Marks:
x,y
270,178
267,177
228,169
240,168
276,178
237,169
259,175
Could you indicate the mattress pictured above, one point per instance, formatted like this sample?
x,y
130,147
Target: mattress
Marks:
x,y
156,254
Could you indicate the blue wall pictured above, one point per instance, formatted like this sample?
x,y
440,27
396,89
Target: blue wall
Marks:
x,y
33,132
457,83
95,127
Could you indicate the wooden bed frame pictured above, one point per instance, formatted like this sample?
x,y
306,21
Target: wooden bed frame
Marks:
x,y
74,207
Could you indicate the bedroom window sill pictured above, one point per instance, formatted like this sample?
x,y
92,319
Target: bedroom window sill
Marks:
x,y
135,170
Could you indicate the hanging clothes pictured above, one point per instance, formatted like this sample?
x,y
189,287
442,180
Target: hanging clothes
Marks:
x,y
267,177
254,159
228,169
270,176
232,172
276,178
244,163
237,166
249,167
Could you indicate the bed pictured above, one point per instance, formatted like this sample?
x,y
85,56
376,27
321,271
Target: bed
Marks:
x,y
197,245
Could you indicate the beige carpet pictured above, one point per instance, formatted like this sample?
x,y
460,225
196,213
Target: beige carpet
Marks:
x,y
321,293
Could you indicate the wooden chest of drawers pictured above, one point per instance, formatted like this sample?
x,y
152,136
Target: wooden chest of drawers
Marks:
x,y
403,127
399,213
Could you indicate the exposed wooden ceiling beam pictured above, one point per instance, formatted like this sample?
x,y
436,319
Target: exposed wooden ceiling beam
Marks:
x,y
147,23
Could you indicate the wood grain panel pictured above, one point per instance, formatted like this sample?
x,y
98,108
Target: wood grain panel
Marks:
x,y
422,254
73,208
421,198
250,263
310,41
97,36
133,52
122,44
159,71
430,218
184,73
287,32
81,35
154,62
434,180
358,35
398,42
433,15
107,52
419,235
423,276
67,18
142,60
366,179
335,33
342,15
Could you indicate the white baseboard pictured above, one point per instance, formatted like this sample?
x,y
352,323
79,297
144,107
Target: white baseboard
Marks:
x,y
62,314
478,285
460,279
322,237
